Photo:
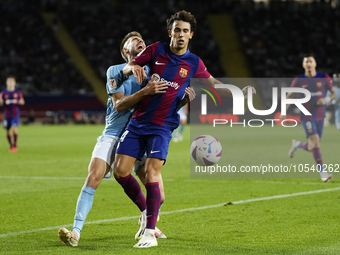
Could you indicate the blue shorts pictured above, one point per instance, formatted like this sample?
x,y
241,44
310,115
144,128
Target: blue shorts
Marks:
x,y
10,122
140,137
312,127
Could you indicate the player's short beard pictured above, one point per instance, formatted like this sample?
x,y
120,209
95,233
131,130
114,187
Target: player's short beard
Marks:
x,y
133,52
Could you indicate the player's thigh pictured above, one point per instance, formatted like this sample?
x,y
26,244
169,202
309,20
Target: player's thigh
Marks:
x,y
132,144
310,127
123,165
157,146
15,124
105,149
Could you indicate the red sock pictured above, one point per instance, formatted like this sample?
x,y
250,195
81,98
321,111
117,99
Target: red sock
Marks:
x,y
133,190
9,140
153,201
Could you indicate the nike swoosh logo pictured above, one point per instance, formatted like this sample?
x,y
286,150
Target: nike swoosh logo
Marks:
x,y
153,151
158,63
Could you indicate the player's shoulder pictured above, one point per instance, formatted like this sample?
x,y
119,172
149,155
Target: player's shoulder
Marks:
x,y
115,68
322,75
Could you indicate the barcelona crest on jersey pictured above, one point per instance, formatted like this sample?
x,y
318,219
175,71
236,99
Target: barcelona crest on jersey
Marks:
x,y
183,72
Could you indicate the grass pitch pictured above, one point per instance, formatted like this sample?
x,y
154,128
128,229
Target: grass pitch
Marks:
x,y
40,184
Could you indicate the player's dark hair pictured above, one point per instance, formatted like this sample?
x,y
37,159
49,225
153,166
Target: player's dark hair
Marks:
x,y
309,55
182,16
133,33
11,76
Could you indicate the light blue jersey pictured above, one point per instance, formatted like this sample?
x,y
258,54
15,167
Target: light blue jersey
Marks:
x,y
336,106
117,82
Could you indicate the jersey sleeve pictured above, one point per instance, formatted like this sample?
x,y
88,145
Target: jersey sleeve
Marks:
x,y
329,82
115,79
145,56
294,83
202,71
20,95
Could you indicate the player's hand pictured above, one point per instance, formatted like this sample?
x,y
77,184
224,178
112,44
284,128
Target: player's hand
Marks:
x,y
155,87
139,73
283,117
245,90
321,101
190,94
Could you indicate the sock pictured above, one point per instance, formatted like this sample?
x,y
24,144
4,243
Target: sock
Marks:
x,y
181,129
84,205
174,134
149,232
303,146
132,189
9,140
160,206
15,140
318,158
153,201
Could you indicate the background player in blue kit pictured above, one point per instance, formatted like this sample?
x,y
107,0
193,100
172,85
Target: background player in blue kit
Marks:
x,y
11,98
152,123
313,125
124,92
183,116
336,101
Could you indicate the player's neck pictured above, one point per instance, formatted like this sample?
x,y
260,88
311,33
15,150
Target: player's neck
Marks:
x,y
178,51
130,57
311,73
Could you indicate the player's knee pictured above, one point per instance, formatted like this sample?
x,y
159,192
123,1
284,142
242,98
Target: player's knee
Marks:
x,y
94,178
118,174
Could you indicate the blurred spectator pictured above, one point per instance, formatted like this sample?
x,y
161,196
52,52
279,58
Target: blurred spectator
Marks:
x,y
30,117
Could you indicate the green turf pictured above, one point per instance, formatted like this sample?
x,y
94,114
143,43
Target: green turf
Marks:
x,y
304,224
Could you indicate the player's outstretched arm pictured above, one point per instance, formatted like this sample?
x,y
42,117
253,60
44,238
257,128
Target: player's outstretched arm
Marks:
x,y
190,95
212,81
133,68
123,103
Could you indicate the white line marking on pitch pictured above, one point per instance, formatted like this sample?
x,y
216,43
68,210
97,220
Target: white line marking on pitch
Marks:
x,y
54,178
179,211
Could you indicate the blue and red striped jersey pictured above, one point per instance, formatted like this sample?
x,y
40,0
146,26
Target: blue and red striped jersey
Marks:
x,y
11,103
318,86
177,70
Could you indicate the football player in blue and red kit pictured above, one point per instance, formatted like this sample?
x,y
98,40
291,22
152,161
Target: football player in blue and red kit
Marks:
x,y
318,84
11,98
152,123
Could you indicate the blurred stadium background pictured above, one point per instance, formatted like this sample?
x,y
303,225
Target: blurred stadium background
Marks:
x,y
60,50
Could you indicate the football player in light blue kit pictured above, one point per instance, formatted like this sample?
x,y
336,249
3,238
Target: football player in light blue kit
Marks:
x,y
336,101
124,93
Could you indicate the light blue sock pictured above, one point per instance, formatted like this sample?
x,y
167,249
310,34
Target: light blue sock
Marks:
x,y
181,129
174,134
84,205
